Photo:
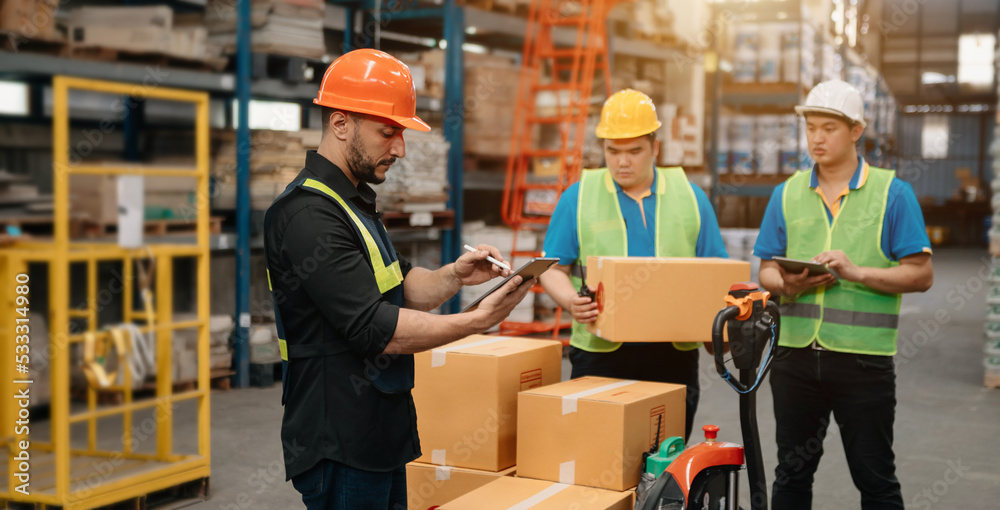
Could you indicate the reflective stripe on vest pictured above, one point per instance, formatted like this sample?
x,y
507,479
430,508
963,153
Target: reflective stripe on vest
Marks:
x,y
602,231
846,316
387,277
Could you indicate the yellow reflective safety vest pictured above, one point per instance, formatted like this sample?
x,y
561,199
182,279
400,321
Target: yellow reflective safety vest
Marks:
x,y
845,316
398,377
602,232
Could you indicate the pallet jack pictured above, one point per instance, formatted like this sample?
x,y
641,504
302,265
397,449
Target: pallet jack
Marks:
x,y
705,476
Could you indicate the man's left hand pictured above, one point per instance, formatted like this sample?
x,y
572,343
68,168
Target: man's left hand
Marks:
x,y
472,268
838,261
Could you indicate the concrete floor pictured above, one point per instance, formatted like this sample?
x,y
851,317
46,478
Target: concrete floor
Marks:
x,y
947,424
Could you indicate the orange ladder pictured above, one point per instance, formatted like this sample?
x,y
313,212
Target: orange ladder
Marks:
x,y
567,73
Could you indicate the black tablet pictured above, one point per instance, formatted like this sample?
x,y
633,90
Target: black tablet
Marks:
x,y
533,269
796,266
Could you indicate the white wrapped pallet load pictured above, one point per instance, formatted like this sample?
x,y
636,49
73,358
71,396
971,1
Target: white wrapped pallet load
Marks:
x,y
769,53
789,144
791,50
722,160
806,161
741,144
768,144
746,47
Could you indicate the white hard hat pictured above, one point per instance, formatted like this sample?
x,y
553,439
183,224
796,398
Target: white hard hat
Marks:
x,y
837,98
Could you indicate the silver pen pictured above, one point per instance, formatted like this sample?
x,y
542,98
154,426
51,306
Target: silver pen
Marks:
x,y
489,258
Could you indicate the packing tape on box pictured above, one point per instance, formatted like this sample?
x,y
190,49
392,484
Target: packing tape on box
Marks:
x,y
439,356
438,457
569,401
442,473
549,491
567,472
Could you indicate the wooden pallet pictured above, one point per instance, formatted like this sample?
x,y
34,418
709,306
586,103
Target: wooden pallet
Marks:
x,y
405,220
148,58
17,43
153,227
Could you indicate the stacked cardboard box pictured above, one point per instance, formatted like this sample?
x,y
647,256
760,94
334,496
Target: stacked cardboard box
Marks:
x,y
466,399
652,19
276,157
523,493
283,27
95,198
419,181
491,85
592,431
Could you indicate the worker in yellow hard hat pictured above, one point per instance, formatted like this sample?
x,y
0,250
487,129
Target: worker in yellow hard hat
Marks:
x,y
348,324
631,208
839,328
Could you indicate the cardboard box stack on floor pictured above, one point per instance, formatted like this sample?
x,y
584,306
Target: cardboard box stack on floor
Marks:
x,y
683,294
592,431
283,27
466,399
523,493
276,157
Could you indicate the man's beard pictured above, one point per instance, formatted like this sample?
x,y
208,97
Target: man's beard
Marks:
x,y
361,166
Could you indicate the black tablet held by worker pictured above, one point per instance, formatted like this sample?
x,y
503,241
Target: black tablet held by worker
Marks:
x,y
533,269
797,266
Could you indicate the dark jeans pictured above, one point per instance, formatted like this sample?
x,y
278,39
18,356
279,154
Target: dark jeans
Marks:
x,y
333,486
860,390
658,362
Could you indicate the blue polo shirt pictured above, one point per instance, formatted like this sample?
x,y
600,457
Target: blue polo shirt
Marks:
x,y
563,239
903,231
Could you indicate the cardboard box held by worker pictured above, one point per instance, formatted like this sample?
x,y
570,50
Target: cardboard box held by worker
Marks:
x,y
510,492
593,430
648,299
466,397
430,486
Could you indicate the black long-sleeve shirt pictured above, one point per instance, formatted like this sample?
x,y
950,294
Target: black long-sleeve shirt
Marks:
x,y
325,291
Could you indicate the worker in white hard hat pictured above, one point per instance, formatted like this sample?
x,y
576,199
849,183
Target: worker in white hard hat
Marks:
x,y
839,329
631,208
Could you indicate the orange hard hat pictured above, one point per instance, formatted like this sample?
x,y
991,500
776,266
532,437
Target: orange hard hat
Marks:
x,y
373,82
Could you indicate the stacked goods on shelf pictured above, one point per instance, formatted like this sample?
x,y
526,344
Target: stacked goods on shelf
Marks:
x,y
466,396
680,137
475,233
418,182
276,157
652,19
774,52
762,145
991,351
185,346
283,27
139,30
19,198
490,95
34,19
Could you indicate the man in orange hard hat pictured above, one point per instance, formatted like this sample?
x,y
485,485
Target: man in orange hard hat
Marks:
x,y
348,324
632,209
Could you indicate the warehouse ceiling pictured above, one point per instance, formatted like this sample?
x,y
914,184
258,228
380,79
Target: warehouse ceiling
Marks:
x,y
919,48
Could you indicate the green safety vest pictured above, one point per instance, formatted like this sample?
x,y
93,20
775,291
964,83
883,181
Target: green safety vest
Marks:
x,y
846,316
388,277
602,231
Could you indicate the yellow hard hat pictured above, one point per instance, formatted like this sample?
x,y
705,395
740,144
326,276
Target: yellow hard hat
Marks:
x,y
627,114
